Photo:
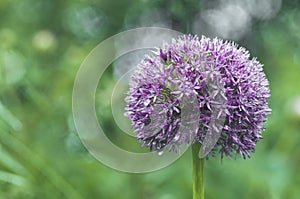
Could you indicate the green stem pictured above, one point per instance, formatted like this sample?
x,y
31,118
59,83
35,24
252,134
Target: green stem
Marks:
x,y
198,177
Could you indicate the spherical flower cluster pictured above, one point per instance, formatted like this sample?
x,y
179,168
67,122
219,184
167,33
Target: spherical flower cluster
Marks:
x,y
228,90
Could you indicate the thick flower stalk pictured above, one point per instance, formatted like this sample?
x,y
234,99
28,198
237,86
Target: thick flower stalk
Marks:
x,y
220,80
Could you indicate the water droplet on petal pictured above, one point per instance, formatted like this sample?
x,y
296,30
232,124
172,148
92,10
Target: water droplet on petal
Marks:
x,y
176,138
160,152
147,102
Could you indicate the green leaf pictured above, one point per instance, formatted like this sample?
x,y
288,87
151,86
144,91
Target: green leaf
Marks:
x,y
12,178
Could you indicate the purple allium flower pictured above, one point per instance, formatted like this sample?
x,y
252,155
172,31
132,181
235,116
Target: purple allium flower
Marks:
x,y
210,73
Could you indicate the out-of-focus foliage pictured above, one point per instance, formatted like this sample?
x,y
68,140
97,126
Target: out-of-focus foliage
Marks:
x,y
42,44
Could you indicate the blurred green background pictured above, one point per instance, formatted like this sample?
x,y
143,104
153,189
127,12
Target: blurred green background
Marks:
x,y
43,43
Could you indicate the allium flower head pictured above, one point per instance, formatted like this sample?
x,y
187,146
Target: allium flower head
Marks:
x,y
217,77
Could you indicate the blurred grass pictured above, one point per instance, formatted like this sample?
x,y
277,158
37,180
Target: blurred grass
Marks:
x,y
42,44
